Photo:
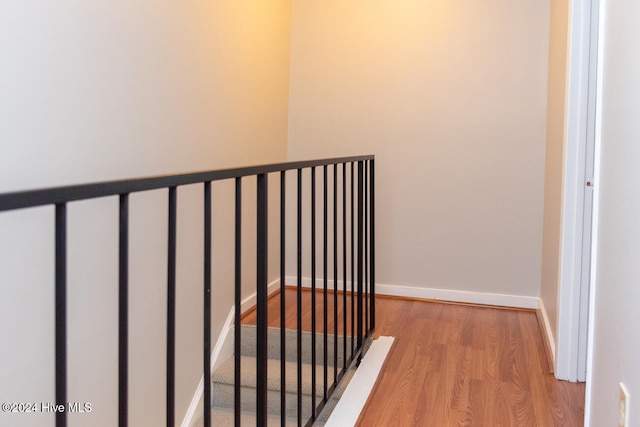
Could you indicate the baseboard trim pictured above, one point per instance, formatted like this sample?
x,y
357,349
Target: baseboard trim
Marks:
x,y
445,295
222,350
250,302
292,281
467,297
547,336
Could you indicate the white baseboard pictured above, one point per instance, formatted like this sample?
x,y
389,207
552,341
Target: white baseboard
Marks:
x,y
484,298
222,351
306,282
548,333
252,299
470,297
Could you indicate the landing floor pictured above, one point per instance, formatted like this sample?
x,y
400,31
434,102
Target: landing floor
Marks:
x,y
457,365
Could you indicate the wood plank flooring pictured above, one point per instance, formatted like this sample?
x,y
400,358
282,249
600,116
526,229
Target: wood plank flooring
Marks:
x,y
455,365
291,312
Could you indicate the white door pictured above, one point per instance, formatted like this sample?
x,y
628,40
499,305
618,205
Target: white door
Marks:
x,y
585,282
573,307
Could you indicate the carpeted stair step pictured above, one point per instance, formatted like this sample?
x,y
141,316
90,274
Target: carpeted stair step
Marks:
x,y
248,345
222,388
223,378
223,417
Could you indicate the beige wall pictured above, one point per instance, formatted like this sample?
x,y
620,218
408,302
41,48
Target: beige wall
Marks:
x,y
113,89
616,343
554,164
451,97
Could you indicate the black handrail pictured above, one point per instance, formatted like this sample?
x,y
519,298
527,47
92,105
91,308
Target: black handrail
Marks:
x,y
71,193
361,267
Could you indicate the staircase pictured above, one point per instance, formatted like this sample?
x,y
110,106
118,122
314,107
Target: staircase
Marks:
x,y
223,379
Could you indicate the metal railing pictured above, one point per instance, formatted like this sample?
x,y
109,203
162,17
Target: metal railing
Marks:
x,y
357,226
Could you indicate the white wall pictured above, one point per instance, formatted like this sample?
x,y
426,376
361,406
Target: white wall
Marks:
x,y
616,344
451,97
554,160
117,89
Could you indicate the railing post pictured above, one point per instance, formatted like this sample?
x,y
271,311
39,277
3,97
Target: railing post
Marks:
x,y
325,285
123,313
372,242
61,311
366,249
207,306
299,297
237,302
353,274
335,273
283,351
314,384
344,263
171,307
360,252
261,309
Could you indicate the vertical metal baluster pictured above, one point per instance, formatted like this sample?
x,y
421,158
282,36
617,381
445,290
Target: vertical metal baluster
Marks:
x,y
313,294
207,305
325,283
237,301
123,312
344,264
299,298
366,249
353,226
171,307
283,383
262,240
372,277
61,311
335,273
360,251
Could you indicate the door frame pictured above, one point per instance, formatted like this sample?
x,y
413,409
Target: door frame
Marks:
x,y
579,158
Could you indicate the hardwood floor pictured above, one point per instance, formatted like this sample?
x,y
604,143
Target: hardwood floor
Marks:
x,y
291,312
455,365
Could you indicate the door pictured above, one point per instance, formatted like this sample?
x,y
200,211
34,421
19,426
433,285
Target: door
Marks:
x,y
573,309
587,228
